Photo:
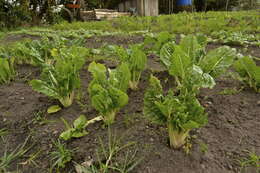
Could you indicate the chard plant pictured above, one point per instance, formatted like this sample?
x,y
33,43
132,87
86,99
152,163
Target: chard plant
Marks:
x,y
154,42
108,92
7,71
248,72
180,113
60,80
78,128
191,54
136,61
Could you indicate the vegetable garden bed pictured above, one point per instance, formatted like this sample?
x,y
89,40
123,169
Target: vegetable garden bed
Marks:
x,y
223,145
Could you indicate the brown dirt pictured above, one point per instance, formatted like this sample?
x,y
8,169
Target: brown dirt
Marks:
x,y
233,127
17,37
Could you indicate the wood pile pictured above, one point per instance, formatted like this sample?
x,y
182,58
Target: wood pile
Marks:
x,y
109,14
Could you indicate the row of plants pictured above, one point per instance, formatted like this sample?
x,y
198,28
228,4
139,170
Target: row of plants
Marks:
x,y
188,62
178,108
185,23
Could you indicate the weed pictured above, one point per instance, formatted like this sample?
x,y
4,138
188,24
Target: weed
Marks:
x,y
3,132
10,157
108,157
61,156
252,159
230,91
203,147
31,159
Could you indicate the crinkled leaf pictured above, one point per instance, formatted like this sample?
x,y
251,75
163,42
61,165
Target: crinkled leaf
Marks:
x,y
166,54
180,63
217,61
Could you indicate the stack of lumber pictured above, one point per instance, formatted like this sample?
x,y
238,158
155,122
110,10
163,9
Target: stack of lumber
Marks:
x,y
109,14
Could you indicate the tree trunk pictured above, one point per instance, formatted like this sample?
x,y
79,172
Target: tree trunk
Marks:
x,y
227,2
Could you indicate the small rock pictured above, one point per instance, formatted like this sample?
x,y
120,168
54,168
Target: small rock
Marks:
x,y
203,166
151,139
258,103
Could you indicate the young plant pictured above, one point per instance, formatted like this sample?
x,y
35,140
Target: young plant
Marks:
x,y
181,113
7,71
60,80
249,72
78,128
108,93
61,156
136,61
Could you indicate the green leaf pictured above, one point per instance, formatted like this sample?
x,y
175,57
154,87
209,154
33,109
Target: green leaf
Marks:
x,y
67,134
190,125
78,134
80,122
180,63
191,47
53,109
44,87
120,77
217,61
166,54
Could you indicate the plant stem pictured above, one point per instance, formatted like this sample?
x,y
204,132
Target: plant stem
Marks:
x,y
177,139
67,101
133,85
109,117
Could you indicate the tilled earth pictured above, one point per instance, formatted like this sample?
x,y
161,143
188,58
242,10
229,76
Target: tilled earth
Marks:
x,y
233,127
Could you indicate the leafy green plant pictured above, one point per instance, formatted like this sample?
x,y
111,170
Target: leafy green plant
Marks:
x,y
136,61
7,71
248,71
154,42
108,93
78,128
191,66
181,113
61,156
60,80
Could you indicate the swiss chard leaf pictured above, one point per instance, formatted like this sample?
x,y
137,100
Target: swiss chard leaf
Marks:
x,y
249,72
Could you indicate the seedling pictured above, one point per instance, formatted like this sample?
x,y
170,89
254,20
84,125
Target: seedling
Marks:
x,y
61,156
78,128
252,160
